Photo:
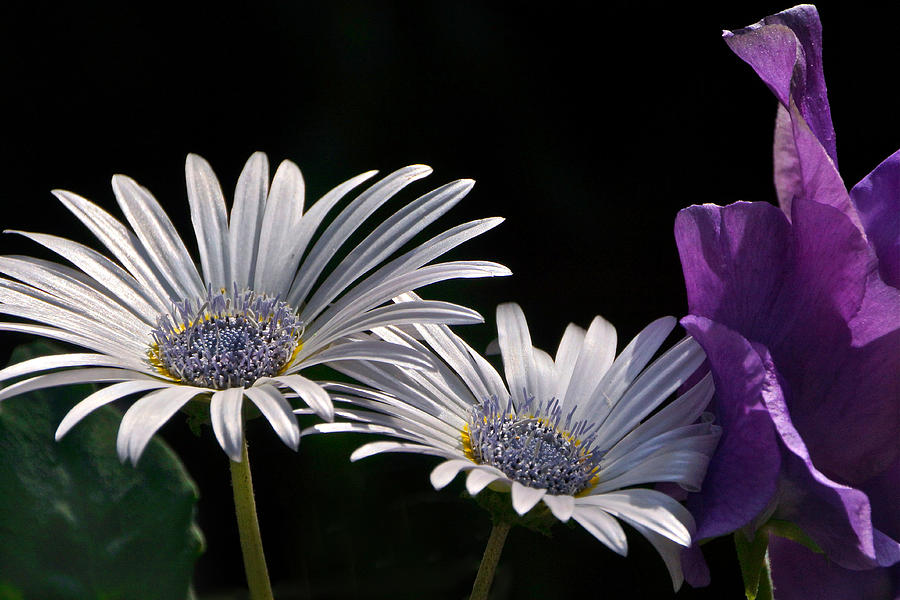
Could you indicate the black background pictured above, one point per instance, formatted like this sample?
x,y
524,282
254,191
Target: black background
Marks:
x,y
587,130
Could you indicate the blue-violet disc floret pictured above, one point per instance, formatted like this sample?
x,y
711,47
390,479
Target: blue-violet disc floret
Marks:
x,y
230,340
537,445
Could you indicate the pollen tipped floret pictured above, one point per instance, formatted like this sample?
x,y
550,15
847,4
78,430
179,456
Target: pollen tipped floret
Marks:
x,y
535,445
230,340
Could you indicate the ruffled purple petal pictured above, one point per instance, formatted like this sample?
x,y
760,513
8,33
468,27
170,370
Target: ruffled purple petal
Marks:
x,y
742,476
785,50
800,574
877,200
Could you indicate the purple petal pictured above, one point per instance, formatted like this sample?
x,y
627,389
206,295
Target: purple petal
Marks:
x,y
785,50
735,259
811,295
800,574
838,518
877,199
742,476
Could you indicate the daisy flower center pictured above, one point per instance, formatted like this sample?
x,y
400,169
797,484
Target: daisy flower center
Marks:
x,y
533,445
230,340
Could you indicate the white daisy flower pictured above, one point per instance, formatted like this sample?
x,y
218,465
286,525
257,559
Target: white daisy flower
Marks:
x,y
264,308
576,431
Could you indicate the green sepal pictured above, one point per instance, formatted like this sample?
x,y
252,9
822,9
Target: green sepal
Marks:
x,y
792,531
499,504
754,561
75,523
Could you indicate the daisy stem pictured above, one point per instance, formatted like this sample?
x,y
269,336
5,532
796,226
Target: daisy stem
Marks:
x,y
489,561
248,527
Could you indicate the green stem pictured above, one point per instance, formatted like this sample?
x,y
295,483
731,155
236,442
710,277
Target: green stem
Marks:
x,y
489,561
248,527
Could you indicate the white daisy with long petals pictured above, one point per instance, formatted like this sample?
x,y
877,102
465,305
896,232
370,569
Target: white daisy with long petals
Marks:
x,y
263,307
578,431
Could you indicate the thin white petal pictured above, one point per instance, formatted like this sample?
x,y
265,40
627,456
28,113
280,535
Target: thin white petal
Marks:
x,y
652,509
627,366
311,393
650,389
209,218
668,550
481,477
123,244
246,219
59,361
524,498
594,359
373,448
602,526
276,262
566,355
99,375
447,471
389,236
516,348
101,397
155,230
561,506
146,416
426,311
277,411
143,302
225,414
348,221
373,351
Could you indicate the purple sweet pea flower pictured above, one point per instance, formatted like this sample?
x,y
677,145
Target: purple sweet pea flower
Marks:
x,y
799,313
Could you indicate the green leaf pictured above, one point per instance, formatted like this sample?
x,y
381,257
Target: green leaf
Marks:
x,y
754,564
77,524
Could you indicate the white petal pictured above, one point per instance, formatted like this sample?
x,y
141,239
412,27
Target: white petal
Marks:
x,y
209,218
276,263
58,361
146,416
123,244
374,448
311,393
303,233
515,346
684,467
246,219
446,472
143,302
602,526
365,297
594,359
630,362
652,509
524,498
101,397
650,389
481,477
64,336
155,230
277,411
561,506
566,355
426,311
668,550
348,221
373,351
225,414
389,236
100,375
